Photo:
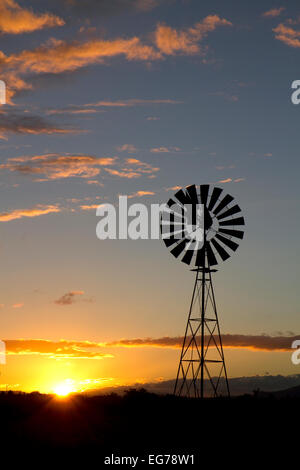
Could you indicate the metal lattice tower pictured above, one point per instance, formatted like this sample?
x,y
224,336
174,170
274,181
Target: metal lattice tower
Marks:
x,y
202,370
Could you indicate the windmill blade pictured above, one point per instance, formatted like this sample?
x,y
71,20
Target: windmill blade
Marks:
x,y
204,188
187,258
170,202
238,221
183,197
224,255
212,260
192,192
214,197
227,199
232,245
168,242
179,248
234,210
233,233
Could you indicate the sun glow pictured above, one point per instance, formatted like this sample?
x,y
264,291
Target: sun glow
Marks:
x,y
63,389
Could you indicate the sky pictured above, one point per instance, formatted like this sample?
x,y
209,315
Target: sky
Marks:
x,y
138,97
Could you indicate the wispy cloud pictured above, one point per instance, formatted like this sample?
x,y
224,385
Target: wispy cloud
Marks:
x,y
226,180
59,56
171,41
136,169
55,349
141,193
173,188
96,350
69,298
129,148
14,123
165,149
18,305
88,207
273,12
36,211
287,34
94,107
15,19
255,342
54,166
231,180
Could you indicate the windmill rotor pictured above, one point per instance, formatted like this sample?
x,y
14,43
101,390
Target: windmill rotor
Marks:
x,y
201,225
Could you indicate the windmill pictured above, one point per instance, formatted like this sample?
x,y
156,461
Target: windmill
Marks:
x,y
200,225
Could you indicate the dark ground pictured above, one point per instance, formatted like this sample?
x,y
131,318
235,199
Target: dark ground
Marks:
x,y
138,423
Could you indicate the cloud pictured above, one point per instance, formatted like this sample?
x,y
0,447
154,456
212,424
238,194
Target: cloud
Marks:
x,y
136,169
59,56
287,35
165,149
54,166
69,298
14,123
95,182
227,180
258,342
96,350
239,180
16,20
18,305
273,12
141,194
173,188
36,211
171,41
77,109
129,148
55,349
89,207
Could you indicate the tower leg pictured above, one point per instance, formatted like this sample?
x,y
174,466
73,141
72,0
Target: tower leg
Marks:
x,y
202,370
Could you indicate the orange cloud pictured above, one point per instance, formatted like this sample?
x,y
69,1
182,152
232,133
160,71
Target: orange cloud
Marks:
x,y
18,305
273,12
227,180
141,194
123,174
15,19
55,349
59,56
87,207
164,149
287,35
55,166
139,168
33,212
171,41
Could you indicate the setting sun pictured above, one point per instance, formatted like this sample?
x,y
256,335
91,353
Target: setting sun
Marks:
x,y
63,389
